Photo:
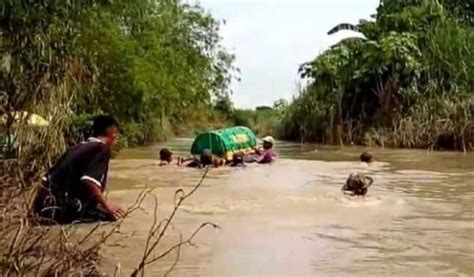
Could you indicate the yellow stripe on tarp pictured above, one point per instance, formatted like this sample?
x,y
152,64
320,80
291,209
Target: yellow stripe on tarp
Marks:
x,y
229,155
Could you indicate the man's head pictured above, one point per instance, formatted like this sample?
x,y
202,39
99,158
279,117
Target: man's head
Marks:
x,y
366,157
218,162
238,158
206,157
267,142
166,155
105,127
358,184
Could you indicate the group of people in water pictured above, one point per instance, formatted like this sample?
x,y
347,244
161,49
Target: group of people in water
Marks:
x,y
264,155
73,189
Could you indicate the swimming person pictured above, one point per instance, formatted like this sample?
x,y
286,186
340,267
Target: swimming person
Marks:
x,y
357,184
204,160
166,156
73,188
266,155
366,157
237,160
218,162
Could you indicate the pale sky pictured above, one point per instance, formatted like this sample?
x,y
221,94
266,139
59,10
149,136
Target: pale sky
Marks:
x,y
271,38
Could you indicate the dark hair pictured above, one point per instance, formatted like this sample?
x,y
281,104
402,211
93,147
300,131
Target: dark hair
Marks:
x,y
267,145
165,154
102,123
238,158
366,157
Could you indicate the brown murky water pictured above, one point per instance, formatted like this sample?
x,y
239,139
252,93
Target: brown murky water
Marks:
x,y
290,219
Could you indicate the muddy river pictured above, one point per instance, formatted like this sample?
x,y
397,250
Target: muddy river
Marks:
x,y
290,219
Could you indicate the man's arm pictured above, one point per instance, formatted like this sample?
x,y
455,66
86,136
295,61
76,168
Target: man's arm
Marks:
x,y
260,159
265,157
96,194
94,178
257,150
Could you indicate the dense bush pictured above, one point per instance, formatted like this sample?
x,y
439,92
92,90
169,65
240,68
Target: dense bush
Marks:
x,y
408,84
151,64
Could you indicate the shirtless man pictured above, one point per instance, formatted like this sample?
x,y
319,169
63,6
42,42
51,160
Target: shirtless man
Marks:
x,y
357,184
166,157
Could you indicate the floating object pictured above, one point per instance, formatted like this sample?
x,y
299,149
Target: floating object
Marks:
x,y
225,142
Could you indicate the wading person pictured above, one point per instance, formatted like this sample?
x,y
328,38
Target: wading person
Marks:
x,y
357,185
166,156
204,160
266,155
237,160
366,157
73,188
218,162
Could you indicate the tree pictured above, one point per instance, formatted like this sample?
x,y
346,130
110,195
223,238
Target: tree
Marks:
x,y
224,105
280,104
143,62
410,56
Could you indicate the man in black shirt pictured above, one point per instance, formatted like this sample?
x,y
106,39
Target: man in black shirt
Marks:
x,y
73,188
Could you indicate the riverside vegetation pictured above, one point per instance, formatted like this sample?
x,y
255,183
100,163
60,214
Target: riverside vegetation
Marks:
x,y
408,84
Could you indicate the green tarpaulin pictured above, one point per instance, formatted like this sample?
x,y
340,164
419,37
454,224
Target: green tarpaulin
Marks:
x,y
225,142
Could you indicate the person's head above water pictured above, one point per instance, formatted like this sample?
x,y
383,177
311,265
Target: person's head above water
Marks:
x,y
268,142
237,159
105,127
357,184
366,157
166,155
218,162
206,157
